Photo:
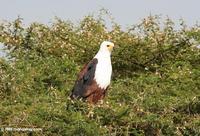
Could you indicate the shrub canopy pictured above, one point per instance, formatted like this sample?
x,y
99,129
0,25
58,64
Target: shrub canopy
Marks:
x,y
155,88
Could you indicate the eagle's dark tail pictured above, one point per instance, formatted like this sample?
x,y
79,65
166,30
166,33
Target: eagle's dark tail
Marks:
x,y
74,94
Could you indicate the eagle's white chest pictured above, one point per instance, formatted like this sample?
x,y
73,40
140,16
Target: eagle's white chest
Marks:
x,y
103,72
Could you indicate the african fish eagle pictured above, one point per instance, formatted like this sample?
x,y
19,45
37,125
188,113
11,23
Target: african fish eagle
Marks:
x,y
94,78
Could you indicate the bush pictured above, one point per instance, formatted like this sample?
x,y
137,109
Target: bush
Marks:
x,y
154,91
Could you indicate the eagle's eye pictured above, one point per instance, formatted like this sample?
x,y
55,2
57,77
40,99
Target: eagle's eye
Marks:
x,y
108,45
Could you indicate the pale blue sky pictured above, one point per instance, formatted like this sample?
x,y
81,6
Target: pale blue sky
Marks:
x,y
125,12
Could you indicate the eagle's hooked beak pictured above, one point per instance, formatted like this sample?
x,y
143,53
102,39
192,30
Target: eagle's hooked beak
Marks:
x,y
110,47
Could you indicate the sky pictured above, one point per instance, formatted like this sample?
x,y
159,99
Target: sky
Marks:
x,y
124,12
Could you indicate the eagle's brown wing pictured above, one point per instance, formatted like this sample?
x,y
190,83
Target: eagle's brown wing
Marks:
x,y
83,85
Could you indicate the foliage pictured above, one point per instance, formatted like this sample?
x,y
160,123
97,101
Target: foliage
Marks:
x,y
154,91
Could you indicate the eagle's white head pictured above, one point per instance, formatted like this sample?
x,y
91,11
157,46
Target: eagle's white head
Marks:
x,y
106,46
